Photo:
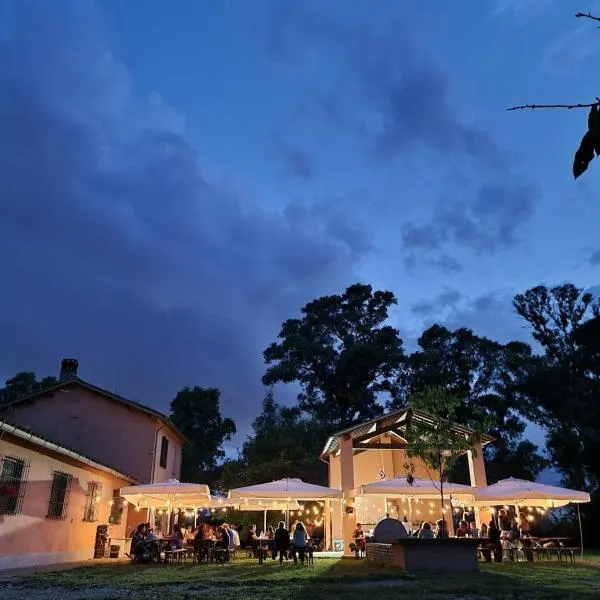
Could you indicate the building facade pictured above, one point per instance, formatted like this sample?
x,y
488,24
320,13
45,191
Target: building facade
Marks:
x,y
114,430
52,500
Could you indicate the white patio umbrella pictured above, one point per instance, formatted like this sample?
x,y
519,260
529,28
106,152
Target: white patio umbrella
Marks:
x,y
287,490
522,492
170,494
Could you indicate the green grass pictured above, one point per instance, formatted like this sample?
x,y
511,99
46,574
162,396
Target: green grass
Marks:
x,y
327,578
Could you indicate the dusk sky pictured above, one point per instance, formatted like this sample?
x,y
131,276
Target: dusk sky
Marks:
x,y
177,178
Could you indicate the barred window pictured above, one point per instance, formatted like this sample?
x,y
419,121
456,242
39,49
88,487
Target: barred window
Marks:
x,y
13,481
92,501
116,508
59,495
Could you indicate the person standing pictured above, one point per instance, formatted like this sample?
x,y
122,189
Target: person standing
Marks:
x,y
300,541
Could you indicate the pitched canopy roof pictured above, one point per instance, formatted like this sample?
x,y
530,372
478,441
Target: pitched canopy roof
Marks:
x,y
394,423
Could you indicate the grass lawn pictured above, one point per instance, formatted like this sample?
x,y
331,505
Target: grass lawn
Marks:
x,y
326,579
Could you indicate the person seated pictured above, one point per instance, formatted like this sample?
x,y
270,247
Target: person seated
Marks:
x,y
463,529
426,532
137,537
359,540
252,541
441,530
483,531
177,538
222,545
473,531
493,544
150,536
282,542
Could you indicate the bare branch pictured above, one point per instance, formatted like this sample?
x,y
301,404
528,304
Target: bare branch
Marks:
x,y
580,15
567,106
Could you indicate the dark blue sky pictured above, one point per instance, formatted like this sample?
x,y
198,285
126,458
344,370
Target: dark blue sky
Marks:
x,y
177,178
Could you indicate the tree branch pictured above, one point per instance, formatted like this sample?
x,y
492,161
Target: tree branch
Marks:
x,y
567,106
581,15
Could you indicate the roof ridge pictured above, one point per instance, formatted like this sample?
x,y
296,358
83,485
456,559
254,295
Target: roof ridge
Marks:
x,y
104,392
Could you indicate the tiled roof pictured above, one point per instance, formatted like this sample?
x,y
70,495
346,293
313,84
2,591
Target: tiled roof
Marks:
x,y
38,440
102,392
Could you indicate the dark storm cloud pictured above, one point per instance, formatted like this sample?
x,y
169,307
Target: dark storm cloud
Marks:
x,y
117,250
595,258
296,161
390,93
490,315
432,308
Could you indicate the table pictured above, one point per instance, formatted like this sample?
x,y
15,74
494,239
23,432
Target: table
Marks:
x,y
260,548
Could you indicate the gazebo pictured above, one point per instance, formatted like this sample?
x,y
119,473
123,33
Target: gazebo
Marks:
x,y
376,450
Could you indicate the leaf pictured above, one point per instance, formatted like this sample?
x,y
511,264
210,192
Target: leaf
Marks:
x,y
584,155
594,127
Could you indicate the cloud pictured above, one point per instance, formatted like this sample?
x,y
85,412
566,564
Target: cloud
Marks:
x,y
572,49
433,307
595,258
296,161
501,7
487,220
490,315
397,103
118,250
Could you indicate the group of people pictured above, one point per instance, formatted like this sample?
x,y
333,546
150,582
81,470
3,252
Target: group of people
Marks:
x,y
494,537
281,542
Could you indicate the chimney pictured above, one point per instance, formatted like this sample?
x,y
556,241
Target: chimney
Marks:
x,y
68,369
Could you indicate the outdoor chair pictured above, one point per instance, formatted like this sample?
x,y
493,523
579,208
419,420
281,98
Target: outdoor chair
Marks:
x,y
221,556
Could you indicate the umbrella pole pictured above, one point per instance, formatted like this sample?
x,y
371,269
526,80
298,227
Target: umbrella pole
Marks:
x,y
580,529
409,499
265,521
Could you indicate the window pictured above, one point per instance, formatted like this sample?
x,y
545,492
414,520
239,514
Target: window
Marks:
x,y
13,481
92,501
164,452
59,495
116,508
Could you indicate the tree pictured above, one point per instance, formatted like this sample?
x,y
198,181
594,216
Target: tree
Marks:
x,y
284,444
196,412
563,387
485,376
341,353
590,143
436,443
23,384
